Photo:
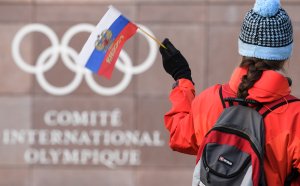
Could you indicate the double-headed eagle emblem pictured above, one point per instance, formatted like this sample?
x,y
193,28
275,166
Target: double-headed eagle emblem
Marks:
x,y
104,40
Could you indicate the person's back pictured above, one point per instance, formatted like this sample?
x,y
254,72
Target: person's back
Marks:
x,y
281,130
266,42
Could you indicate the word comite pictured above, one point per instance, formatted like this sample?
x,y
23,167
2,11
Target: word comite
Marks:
x,y
102,118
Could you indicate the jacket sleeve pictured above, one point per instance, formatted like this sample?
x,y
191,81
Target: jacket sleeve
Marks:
x,y
296,155
294,140
296,160
179,120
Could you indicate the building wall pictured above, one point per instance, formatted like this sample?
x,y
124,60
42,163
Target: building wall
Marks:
x,y
120,139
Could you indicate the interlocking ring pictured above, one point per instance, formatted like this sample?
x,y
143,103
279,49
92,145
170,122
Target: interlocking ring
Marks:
x,y
48,58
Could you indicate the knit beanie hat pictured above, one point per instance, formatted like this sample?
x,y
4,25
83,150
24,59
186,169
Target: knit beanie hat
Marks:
x,y
266,32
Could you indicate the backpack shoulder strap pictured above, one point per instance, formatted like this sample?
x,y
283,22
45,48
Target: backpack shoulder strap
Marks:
x,y
225,94
269,107
221,93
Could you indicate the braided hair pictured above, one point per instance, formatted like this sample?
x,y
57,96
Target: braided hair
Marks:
x,y
255,68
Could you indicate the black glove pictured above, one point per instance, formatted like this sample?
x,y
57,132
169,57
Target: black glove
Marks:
x,y
174,63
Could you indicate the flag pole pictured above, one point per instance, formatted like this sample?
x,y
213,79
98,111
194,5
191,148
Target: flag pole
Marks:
x,y
155,39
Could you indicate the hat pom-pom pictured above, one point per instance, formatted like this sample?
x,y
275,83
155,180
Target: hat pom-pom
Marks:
x,y
266,8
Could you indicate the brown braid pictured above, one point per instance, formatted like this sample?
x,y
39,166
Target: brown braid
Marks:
x,y
255,68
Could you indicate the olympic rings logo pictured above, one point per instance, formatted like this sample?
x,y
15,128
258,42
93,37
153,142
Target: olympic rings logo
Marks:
x,y
48,58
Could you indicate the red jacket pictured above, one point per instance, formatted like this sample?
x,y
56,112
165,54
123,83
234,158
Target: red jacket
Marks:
x,y
190,118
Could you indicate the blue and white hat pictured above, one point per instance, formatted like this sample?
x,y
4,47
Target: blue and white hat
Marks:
x,y
266,32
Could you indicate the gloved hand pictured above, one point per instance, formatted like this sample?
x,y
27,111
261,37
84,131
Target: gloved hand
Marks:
x,y
173,62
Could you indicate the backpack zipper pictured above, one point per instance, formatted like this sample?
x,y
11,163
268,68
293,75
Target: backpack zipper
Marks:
x,y
241,134
208,169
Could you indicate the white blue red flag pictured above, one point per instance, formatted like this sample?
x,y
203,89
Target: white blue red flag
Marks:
x,y
102,49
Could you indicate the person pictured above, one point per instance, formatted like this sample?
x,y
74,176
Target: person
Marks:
x,y
265,45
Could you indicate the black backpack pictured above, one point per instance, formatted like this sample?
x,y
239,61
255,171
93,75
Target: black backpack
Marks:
x,y
232,151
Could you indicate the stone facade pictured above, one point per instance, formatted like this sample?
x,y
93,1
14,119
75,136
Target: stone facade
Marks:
x,y
87,138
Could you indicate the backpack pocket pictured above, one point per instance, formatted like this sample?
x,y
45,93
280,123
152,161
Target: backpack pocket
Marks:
x,y
225,165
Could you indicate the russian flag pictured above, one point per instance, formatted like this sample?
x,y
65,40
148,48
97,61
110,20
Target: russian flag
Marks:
x,y
102,49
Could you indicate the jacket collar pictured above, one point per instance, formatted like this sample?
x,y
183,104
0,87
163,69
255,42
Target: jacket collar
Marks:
x,y
271,86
